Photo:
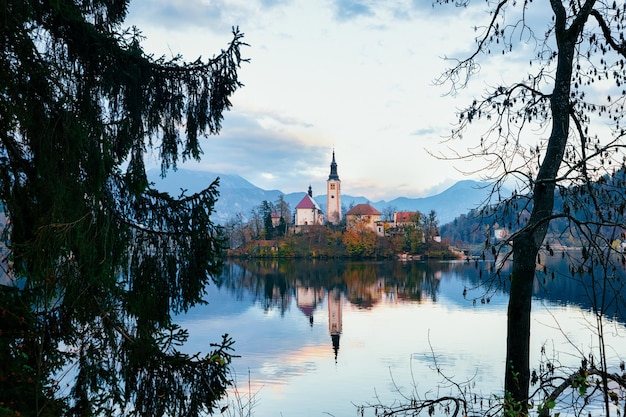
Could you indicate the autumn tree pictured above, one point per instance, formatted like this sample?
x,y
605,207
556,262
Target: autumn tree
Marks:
x,y
359,240
409,235
556,132
97,261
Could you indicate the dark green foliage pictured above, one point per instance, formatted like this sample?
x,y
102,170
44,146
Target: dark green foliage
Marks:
x,y
266,210
281,229
99,261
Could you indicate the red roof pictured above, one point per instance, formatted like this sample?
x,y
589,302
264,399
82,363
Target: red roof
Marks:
x,y
363,210
405,216
307,203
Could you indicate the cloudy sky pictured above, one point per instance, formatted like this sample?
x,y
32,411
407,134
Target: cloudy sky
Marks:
x,y
356,76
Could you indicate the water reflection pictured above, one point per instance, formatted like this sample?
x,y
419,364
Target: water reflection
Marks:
x,y
315,337
363,283
334,318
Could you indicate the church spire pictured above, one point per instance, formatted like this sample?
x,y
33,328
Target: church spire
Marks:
x,y
333,169
333,195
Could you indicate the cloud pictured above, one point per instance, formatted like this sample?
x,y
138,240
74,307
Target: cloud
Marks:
x,y
214,16
263,154
354,75
424,131
274,3
398,11
174,15
351,9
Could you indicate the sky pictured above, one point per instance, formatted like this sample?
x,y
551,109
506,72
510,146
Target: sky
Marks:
x,y
353,76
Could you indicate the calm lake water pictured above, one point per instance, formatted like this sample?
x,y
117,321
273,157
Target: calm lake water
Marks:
x,y
319,338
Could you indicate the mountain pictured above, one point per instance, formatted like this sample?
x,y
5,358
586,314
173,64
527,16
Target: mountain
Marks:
x,y
458,199
238,195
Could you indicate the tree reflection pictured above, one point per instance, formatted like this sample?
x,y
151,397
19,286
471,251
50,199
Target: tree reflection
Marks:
x,y
274,284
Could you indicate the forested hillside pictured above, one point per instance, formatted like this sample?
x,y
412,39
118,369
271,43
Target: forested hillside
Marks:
x,y
496,223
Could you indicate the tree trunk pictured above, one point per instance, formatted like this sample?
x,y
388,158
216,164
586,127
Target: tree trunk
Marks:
x,y
527,243
517,374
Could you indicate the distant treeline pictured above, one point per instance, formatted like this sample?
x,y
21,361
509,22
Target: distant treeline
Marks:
x,y
599,203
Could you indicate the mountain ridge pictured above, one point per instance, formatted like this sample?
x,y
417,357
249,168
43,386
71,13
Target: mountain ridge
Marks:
x,y
238,195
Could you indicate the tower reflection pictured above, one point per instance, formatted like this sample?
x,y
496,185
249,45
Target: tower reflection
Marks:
x,y
334,318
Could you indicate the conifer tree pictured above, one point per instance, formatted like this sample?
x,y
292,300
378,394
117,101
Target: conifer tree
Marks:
x,y
97,262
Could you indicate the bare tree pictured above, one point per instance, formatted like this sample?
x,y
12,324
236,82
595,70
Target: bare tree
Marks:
x,y
388,213
235,230
256,222
557,133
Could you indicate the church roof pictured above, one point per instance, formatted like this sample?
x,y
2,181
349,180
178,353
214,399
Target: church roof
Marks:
x,y
333,170
308,202
363,210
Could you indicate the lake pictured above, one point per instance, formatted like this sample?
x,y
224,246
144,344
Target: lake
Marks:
x,y
320,338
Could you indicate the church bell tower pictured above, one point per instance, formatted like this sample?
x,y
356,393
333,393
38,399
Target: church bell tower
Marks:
x,y
333,194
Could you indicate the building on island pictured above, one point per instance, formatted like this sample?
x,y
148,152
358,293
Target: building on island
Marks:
x,y
308,212
363,216
333,195
403,219
275,218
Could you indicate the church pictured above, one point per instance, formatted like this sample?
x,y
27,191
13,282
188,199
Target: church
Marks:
x,y
308,212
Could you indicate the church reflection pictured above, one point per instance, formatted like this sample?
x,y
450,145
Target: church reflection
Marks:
x,y
326,326
363,295
334,318
323,291
309,298
275,285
